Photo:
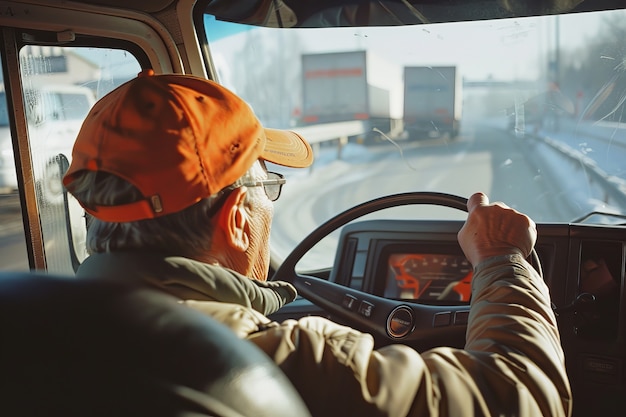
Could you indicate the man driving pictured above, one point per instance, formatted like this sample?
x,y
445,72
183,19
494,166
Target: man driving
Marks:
x,y
172,171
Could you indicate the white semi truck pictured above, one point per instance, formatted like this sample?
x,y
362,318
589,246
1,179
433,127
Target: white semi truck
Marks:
x,y
353,85
432,101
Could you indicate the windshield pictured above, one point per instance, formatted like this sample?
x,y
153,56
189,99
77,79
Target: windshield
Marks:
x,y
527,110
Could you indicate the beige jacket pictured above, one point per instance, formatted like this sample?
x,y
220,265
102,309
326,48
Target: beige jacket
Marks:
x,y
512,364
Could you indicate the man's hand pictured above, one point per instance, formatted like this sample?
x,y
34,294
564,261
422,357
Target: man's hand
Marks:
x,y
495,229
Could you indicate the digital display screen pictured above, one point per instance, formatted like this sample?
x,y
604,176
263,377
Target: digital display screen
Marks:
x,y
428,276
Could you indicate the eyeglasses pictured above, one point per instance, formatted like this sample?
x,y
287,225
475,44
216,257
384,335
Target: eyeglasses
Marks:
x,y
272,185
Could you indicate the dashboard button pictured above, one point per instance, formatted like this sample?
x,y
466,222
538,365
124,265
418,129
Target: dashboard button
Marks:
x,y
442,319
349,302
366,309
400,322
460,317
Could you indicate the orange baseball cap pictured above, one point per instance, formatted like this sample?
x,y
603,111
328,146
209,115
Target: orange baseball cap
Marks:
x,y
178,139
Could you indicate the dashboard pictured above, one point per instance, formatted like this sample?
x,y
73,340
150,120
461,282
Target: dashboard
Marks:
x,y
404,260
421,261
420,264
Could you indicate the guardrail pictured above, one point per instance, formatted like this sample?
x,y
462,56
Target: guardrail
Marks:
x,y
339,131
613,188
609,189
330,131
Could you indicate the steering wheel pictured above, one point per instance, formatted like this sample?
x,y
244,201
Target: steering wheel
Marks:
x,y
392,319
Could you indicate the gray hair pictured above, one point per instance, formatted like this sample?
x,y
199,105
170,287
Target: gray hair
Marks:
x,y
186,232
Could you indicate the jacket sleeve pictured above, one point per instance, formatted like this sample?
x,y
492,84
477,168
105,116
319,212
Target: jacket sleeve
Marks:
x,y
512,364
188,279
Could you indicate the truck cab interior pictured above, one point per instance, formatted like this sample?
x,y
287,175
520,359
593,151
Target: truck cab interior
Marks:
x,y
524,100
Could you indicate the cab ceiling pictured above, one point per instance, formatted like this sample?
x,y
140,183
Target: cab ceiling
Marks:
x,y
323,13
147,6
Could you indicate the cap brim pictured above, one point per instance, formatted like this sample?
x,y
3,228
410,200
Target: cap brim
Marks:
x,y
287,148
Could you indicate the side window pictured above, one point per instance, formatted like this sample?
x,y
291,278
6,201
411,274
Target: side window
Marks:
x,y
60,85
72,106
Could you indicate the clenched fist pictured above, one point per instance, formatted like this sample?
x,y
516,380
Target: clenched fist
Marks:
x,y
495,229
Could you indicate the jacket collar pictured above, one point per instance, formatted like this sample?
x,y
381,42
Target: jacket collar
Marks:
x,y
188,279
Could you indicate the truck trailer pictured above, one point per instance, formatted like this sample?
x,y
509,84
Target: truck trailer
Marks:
x,y
432,102
347,86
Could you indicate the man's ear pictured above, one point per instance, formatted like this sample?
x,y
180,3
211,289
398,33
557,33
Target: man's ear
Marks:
x,y
233,220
